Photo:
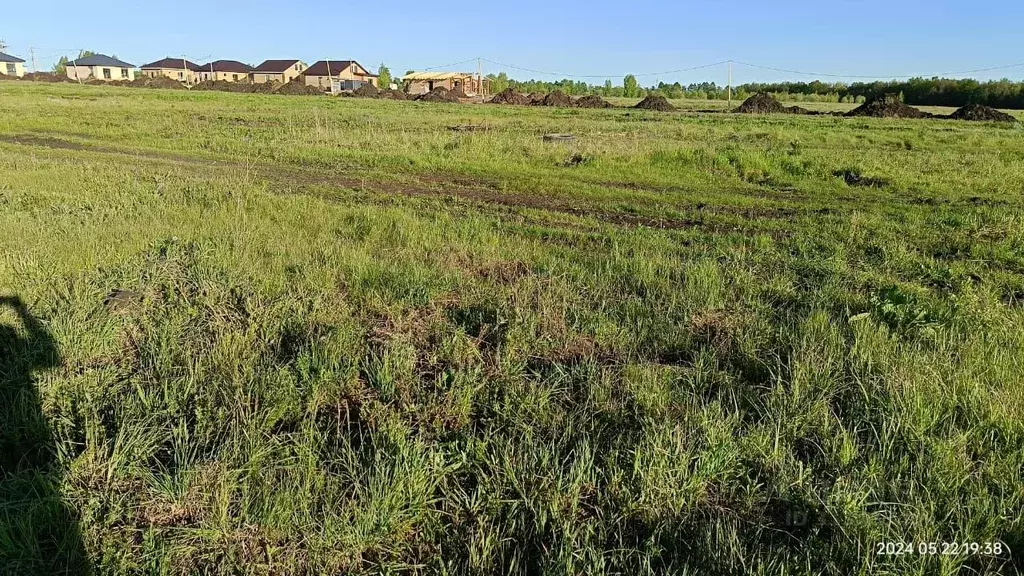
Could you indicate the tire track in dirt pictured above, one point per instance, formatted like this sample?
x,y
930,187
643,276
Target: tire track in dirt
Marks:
x,y
424,187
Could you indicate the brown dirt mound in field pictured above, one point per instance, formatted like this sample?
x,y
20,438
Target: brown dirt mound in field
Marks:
x,y
510,96
266,87
44,77
367,90
298,87
593,101
536,97
761,103
158,82
393,95
439,94
225,86
94,82
557,99
459,92
888,106
980,113
658,103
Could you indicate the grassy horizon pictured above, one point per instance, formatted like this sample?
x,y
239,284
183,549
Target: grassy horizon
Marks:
x,y
305,335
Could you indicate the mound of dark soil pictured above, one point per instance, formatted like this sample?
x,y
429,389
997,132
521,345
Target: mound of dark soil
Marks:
x,y
225,86
44,77
888,106
458,92
979,113
439,94
510,96
658,103
298,87
367,90
761,103
158,82
557,99
393,95
593,101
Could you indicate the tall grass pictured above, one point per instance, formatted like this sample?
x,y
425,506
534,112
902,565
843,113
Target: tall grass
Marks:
x,y
307,336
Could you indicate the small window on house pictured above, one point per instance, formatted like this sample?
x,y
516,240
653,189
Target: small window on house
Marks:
x,y
124,72
106,73
11,70
234,77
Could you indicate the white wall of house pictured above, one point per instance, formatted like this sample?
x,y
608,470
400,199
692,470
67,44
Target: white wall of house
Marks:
x,y
14,69
106,73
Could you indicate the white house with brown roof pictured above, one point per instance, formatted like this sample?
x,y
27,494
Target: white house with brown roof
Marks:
x,y
11,66
282,71
100,67
178,69
349,73
224,71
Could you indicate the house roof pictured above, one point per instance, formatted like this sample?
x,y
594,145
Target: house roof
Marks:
x,y
335,66
436,76
9,58
101,60
226,66
173,63
277,66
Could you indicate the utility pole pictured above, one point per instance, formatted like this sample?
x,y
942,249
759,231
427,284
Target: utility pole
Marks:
x,y
480,76
32,51
75,64
184,65
730,84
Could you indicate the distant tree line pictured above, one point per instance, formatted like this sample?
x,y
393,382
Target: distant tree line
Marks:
x,y
921,91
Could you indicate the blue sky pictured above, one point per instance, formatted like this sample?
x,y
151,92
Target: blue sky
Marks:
x,y
604,39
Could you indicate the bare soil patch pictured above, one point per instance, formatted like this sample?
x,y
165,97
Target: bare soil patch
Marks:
x,y
42,141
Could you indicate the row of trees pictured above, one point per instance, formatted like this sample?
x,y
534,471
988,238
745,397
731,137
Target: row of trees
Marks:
x,y
921,91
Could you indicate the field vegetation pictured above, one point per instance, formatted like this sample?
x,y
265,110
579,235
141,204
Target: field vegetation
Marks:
x,y
243,333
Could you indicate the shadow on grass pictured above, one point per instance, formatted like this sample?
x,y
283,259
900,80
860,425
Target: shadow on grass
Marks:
x,y
38,532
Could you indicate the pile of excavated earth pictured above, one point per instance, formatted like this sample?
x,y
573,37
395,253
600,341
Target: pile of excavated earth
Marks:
x,y
556,99
762,103
979,113
886,106
438,94
659,103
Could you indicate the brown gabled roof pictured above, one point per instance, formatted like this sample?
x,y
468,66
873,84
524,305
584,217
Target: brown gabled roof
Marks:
x,y
275,66
226,66
335,66
172,63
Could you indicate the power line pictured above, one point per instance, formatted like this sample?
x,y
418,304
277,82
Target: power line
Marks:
x,y
877,76
562,75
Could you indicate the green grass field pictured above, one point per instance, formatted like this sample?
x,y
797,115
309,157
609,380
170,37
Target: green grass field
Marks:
x,y
246,334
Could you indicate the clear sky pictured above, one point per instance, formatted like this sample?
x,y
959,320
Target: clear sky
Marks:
x,y
879,38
